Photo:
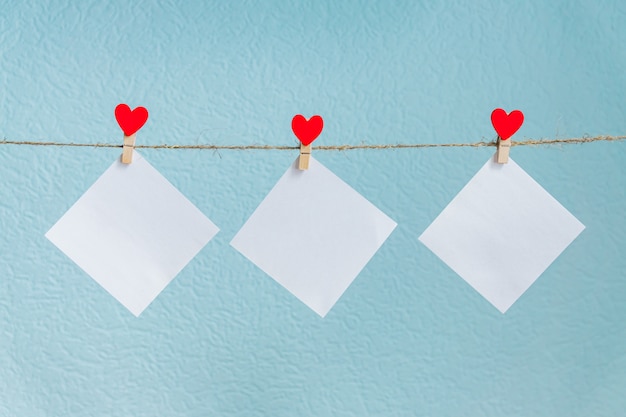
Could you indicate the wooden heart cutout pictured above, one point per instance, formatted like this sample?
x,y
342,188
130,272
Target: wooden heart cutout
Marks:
x,y
506,124
130,121
307,130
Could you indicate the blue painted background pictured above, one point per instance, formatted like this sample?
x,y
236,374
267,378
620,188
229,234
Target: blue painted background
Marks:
x,y
409,337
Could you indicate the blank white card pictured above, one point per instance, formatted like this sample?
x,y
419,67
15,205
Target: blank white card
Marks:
x,y
133,232
501,232
313,234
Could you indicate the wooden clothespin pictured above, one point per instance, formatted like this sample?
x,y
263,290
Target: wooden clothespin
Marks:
x,y
505,125
502,154
306,131
127,149
130,122
305,157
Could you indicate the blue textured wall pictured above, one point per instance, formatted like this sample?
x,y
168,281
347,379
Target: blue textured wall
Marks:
x,y
409,337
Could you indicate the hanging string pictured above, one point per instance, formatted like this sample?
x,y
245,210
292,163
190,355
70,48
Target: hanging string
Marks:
x,y
529,142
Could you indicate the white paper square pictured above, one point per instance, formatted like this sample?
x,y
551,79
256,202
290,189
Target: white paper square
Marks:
x,y
133,232
313,234
501,232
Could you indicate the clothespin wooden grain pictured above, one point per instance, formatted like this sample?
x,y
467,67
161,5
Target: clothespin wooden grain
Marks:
x,y
505,125
502,154
130,122
305,156
127,150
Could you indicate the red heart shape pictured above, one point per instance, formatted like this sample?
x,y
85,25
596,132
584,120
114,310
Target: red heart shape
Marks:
x,y
307,130
130,121
506,124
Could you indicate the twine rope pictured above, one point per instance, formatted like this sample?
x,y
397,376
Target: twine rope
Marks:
x,y
529,142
